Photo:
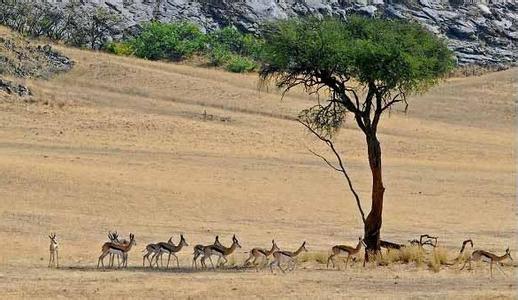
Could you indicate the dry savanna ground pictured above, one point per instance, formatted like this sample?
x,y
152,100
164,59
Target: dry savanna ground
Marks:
x,y
120,143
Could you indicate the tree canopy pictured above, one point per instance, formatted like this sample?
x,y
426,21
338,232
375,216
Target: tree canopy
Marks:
x,y
389,57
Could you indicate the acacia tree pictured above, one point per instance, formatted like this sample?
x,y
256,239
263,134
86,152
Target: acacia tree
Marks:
x,y
365,66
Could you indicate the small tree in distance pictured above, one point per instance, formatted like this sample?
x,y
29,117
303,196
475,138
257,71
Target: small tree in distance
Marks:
x,y
365,66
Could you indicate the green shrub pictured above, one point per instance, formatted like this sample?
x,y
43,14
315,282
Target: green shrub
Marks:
x,y
234,41
227,38
120,48
168,41
240,64
219,56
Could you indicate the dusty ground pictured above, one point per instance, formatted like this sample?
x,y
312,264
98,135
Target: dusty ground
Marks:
x,y
122,144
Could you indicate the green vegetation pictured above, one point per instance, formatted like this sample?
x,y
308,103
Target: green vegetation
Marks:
x,y
226,47
174,41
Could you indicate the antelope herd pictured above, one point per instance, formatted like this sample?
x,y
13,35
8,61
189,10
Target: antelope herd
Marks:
x,y
153,252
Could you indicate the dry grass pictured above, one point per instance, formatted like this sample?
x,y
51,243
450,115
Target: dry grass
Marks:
x,y
314,256
129,151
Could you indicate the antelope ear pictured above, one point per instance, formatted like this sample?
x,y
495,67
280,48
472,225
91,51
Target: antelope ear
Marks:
x,y
181,236
273,241
50,237
234,236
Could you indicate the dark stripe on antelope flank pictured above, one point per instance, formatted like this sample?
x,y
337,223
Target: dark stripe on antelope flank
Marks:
x,y
286,253
217,249
165,246
344,248
117,248
262,251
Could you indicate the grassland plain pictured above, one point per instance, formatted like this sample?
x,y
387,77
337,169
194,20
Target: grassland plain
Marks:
x,y
160,149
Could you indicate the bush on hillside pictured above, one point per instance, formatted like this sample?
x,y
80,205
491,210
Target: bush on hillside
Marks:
x,y
120,48
173,41
240,64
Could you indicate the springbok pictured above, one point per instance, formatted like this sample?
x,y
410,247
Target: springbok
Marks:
x,y
198,251
220,251
488,256
114,238
150,249
261,253
171,249
343,249
117,249
280,257
53,250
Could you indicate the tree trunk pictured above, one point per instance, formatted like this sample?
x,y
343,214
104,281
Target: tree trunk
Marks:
x,y
374,219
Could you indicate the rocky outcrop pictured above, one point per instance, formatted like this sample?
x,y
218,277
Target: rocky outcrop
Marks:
x,y
12,88
19,58
482,34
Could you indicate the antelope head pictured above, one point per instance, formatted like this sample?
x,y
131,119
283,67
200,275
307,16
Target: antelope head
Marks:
x,y
235,241
53,238
183,242
274,246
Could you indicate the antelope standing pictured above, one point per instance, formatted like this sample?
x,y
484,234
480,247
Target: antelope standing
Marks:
x,y
488,256
114,238
150,249
198,251
261,253
343,249
280,257
117,249
171,249
53,250
220,251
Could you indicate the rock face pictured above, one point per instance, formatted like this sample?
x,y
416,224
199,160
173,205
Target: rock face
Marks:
x,y
12,88
19,58
482,34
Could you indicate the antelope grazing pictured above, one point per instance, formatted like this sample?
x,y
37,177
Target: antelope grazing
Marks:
x,y
220,251
150,249
199,249
117,249
488,256
288,257
53,250
171,249
261,253
343,249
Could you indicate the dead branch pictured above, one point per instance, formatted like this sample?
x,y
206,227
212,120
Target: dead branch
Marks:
x,y
340,168
389,245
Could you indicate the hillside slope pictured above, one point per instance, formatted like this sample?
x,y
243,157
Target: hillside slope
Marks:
x,y
161,149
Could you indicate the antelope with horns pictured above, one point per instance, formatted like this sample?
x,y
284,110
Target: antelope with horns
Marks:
x,y
199,249
53,250
261,253
117,249
288,257
488,256
220,251
171,249
114,238
344,250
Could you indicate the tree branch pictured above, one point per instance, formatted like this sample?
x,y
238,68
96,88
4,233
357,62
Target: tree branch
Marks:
x,y
341,167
